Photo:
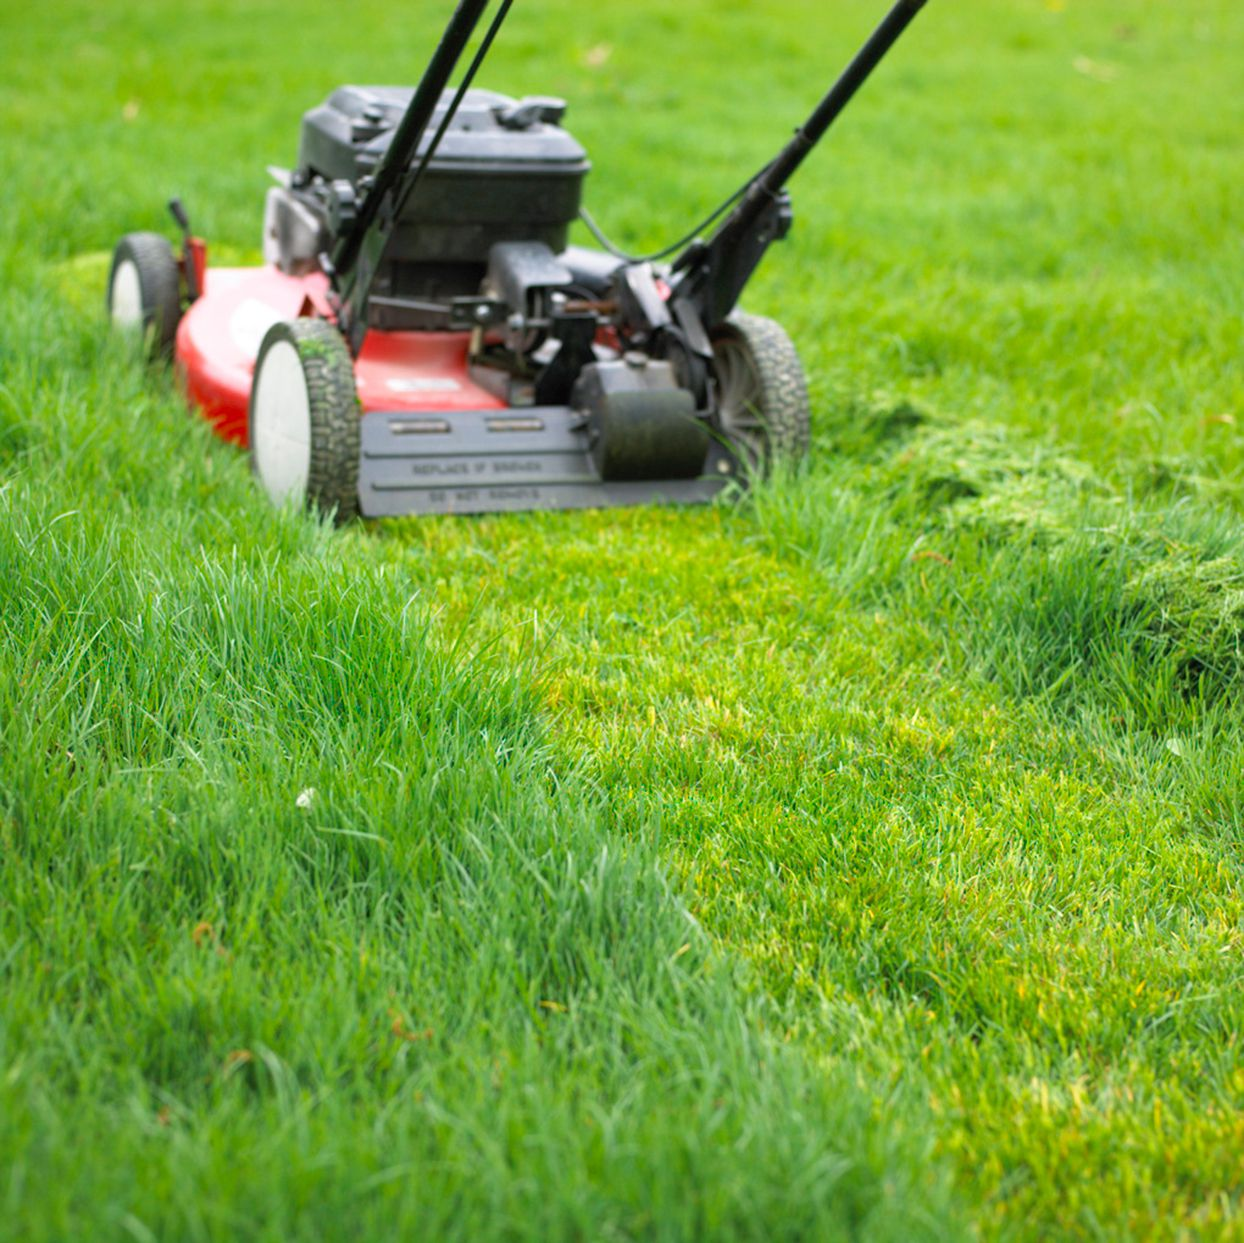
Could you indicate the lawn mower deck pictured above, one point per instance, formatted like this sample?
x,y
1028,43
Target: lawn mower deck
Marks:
x,y
422,339
431,440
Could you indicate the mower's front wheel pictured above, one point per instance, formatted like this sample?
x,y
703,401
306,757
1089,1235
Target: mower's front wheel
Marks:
x,y
761,393
304,418
144,290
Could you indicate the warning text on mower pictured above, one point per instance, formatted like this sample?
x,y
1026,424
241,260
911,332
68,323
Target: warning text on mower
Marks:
x,y
481,466
458,498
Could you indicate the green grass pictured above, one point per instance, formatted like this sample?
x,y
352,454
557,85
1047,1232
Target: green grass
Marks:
x,y
858,861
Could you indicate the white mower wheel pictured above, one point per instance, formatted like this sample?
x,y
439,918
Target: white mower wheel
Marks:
x,y
144,291
761,393
303,421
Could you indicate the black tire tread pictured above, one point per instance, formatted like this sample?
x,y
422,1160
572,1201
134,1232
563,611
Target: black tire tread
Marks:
x,y
784,403
333,479
159,278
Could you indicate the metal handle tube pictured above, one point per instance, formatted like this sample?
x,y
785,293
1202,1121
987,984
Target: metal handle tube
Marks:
x,y
775,175
411,128
409,183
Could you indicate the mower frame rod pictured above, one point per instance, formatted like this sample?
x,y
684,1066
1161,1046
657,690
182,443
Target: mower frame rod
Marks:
x,y
773,178
359,248
713,273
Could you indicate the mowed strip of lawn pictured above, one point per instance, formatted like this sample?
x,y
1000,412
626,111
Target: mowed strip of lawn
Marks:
x,y
861,861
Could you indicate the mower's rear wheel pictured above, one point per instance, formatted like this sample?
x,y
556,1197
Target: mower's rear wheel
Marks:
x,y
304,418
144,290
761,392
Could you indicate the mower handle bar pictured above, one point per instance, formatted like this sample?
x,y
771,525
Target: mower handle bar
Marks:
x,y
719,268
386,187
771,180
712,274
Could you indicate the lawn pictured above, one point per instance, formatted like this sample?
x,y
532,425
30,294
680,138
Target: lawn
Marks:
x,y
857,860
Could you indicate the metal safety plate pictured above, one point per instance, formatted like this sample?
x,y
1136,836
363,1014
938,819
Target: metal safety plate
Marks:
x,y
483,461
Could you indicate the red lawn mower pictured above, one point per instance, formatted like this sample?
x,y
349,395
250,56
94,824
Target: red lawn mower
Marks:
x,y
421,339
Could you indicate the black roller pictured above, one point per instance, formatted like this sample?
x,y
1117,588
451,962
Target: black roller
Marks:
x,y
640,424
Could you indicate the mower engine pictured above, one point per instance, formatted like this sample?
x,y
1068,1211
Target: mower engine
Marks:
x,y
504,172
482,249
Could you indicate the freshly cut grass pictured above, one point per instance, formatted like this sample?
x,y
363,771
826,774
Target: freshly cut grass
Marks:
x,y
1070,588
1032,912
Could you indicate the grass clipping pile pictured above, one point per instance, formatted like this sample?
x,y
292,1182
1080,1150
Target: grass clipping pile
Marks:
x,y
1048,577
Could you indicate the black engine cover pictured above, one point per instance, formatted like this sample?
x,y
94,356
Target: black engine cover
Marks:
x,y
502,173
